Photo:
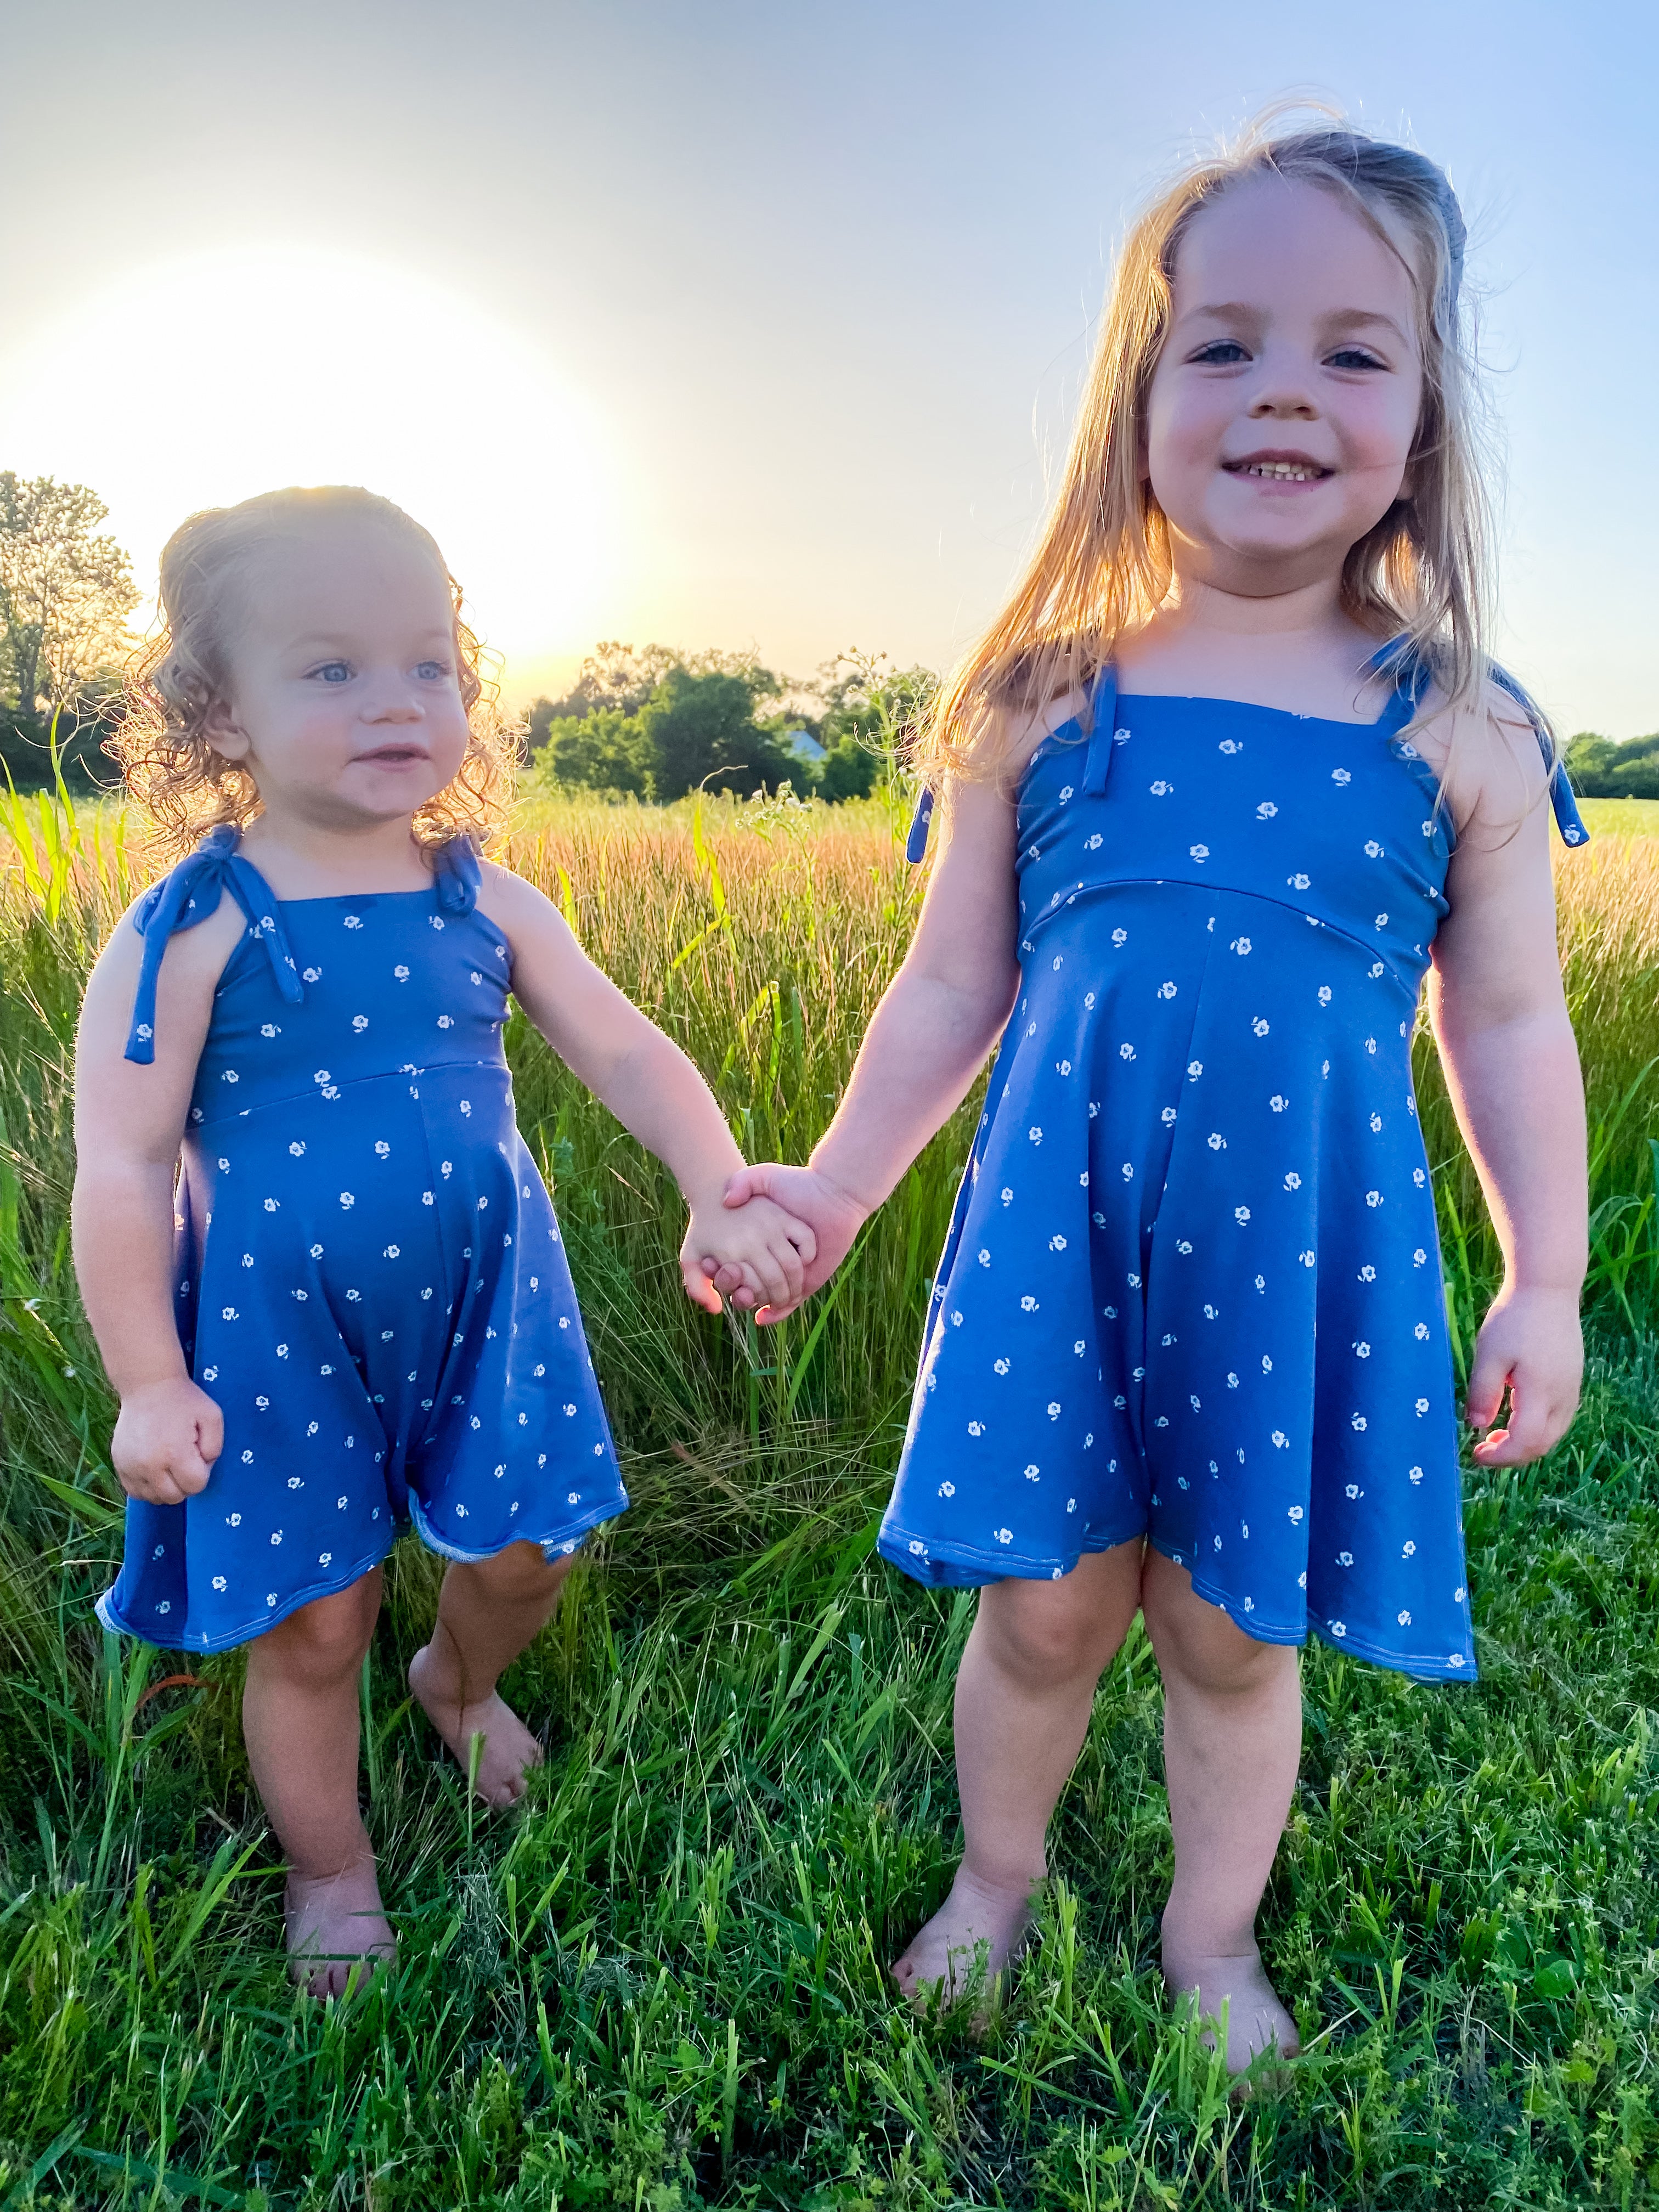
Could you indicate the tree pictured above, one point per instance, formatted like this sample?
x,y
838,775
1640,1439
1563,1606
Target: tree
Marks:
x,y
871,711
702,730
1602,767
65,591
847,770
618,677
605,750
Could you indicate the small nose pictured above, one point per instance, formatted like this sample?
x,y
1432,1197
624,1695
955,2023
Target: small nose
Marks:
x,y
1283,406
394,700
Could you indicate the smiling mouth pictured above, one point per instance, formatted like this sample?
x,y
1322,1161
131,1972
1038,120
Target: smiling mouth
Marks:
x,y
1278,472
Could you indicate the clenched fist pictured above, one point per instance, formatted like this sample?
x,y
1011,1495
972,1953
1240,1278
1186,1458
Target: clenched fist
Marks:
x,y
166,1441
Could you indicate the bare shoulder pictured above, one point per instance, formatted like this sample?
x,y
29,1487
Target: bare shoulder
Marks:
x,y
1491,765
1034,730
193,960
514,905
121,1105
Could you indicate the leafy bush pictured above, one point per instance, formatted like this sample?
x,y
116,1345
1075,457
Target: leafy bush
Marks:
x,y
1604,768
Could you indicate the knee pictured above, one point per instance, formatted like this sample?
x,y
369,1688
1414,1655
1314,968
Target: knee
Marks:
x,y
1200,1648
327,1640
520,1575
1039,1634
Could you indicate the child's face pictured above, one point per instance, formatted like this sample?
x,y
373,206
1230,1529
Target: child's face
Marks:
x,y
344,698
1283,407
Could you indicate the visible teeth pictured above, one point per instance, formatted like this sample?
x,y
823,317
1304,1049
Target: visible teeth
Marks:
x,y
1287,471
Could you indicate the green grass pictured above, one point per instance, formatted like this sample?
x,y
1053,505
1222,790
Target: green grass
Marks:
x,y
1621,818
661,1982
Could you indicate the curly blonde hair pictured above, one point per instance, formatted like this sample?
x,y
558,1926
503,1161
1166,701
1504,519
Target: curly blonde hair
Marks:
x,y
1102,563
171,768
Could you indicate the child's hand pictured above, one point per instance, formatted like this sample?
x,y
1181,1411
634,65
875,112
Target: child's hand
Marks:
x,y
1530,1343
756,1257
832,1214
166,1441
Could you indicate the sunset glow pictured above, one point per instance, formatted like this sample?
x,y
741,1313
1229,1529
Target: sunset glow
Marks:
x,y
241,371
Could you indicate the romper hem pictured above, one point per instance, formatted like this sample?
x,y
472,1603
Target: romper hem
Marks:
x,y
232,1640
560,1545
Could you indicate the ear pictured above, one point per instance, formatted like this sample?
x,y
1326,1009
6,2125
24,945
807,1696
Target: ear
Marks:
x,y
223,731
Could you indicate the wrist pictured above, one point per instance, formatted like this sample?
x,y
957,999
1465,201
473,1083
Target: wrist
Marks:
x,y
133,1383
842,1186
1557,1283
705,1195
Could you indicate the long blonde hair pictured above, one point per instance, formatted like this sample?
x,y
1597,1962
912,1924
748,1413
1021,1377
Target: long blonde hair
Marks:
x,y
1102,563
171,768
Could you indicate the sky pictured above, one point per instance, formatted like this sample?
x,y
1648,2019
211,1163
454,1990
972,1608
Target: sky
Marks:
x,y
721,322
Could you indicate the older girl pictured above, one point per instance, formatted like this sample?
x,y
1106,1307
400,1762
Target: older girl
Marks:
x,y
1231,771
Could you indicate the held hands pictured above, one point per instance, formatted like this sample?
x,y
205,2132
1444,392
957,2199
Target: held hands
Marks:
x,y
757,1258
832,1216
166,1441
1529,1344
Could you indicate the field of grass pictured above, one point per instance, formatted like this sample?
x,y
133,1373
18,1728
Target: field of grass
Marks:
x,y
660,1982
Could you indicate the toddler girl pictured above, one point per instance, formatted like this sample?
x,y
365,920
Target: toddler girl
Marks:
x,y
369,1317
1228,775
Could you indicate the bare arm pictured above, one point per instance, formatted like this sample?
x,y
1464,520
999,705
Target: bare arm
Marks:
x,y
1500,1019
927,1039
941,1013
129,1121
651,1087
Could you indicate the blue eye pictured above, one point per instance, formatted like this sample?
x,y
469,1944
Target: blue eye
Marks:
x,y
1220,353
432,670
1355,357
333,672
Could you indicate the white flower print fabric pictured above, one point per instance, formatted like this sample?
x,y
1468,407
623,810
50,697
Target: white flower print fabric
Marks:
x,y
1191,1288
371,1282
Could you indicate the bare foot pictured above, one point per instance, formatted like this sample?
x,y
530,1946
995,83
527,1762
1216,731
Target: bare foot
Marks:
x,y
966,1944
508,1749
337,1933
1256,2022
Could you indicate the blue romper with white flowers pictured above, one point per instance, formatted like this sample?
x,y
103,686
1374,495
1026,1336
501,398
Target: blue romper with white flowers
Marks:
x,y
370,1279
1191,1291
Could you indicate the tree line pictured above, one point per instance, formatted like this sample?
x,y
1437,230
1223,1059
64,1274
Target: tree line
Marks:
x,y
1612,768
654,723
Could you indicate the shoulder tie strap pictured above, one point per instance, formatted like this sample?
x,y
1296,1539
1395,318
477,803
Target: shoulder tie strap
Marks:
x,y
1103,735
456,876
1097,763
1568,819
1413,676
915,845
185,898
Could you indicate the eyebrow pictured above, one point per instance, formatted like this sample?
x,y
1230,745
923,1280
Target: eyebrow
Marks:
x,y
1344,318
326,642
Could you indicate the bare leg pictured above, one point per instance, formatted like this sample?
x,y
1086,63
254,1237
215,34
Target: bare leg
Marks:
x,y
1024,1692
299,1720
488,1612
1232,1740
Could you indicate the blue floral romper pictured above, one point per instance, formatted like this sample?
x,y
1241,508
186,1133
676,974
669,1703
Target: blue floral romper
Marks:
x,y
370,1281
1192,1287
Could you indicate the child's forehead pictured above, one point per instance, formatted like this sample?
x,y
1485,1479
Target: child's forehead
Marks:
x,y
344,576
1276,241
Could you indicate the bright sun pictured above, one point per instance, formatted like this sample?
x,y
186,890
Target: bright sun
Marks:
x,y
197,381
